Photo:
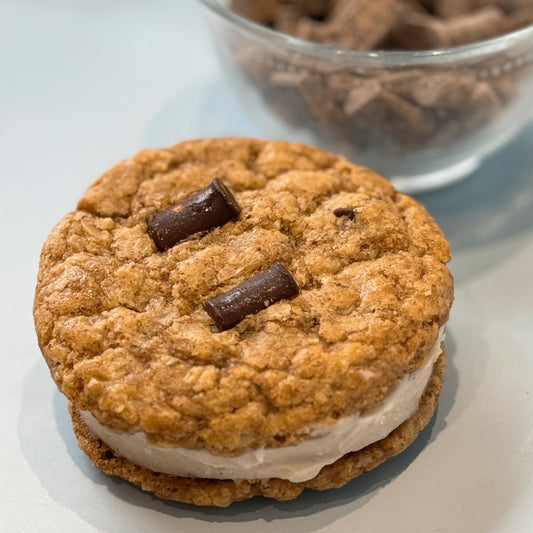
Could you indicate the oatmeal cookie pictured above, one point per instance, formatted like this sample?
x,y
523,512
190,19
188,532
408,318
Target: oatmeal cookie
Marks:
x,y
158,338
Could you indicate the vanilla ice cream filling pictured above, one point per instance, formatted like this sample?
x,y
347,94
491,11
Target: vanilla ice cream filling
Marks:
x,y
296,463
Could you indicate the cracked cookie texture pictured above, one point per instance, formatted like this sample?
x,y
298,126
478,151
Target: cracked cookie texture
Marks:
x,y
123,328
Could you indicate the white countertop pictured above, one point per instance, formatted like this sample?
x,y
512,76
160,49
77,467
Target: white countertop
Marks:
x,y
84,84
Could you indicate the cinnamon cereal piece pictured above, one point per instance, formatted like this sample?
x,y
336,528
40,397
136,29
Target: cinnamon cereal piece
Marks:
x,y
361,24
283,78
447,89
308,29
407,116
316,9
322,103
477,26
483,106
287,19
506,5
360,95
400,81
421,31
520,18
417,31
505,88
262,12
449,9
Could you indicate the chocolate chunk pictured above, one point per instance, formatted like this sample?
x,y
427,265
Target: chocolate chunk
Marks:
x,y
345,212
204,210
251,296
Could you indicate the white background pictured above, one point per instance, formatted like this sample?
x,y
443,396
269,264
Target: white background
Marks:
x,y
84,84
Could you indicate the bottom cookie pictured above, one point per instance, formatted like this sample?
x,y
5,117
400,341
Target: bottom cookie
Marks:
x,y
224,492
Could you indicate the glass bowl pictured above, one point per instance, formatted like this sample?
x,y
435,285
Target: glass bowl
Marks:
x,y
424,119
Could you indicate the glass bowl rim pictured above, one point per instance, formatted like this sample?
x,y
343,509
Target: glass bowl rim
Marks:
x,y
382,57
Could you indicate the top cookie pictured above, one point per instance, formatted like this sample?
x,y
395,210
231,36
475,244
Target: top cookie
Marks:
x,y
123,326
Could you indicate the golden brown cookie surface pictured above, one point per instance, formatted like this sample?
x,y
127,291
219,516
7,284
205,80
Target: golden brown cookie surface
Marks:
x,y
124,331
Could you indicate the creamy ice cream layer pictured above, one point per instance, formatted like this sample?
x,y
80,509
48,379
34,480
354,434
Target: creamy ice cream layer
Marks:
x,y
296,463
